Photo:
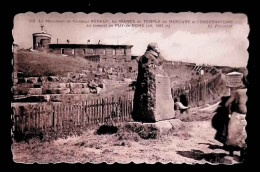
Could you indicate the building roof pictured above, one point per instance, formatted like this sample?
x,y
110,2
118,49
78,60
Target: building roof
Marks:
x,y
234,73
88,46
42,34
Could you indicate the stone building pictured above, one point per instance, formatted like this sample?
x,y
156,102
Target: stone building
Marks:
x,y
93,52
41,40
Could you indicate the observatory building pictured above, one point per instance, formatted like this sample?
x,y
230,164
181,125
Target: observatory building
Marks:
x,y
93,52
41,40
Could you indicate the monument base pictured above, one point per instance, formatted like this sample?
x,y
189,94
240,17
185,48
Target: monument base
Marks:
x,y
155,130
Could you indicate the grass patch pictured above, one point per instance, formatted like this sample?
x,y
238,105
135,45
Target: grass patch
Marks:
x,y
46,64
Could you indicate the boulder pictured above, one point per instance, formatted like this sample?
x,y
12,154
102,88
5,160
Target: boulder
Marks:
x,y
94,91
76,85
50,85
37,85
150,130
84,85
63,90
15,81
61,85
85,90
98,90
15,75
75,90
54,78
164,127
92,85
176,124
35,91
33,80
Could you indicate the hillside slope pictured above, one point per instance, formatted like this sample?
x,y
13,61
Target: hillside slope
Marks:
x,y
46,64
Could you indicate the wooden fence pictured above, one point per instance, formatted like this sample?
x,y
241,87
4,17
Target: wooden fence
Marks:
x,y
87,114
199,91
59,116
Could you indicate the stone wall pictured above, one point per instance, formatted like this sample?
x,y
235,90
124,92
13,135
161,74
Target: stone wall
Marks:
x,y
52,88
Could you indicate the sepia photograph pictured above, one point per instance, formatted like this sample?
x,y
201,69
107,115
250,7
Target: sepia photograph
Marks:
x,y
129,87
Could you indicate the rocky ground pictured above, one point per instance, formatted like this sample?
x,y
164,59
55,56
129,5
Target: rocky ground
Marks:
x,y
193,144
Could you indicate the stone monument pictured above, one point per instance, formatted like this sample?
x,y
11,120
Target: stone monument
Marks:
x,y
152,100
153,110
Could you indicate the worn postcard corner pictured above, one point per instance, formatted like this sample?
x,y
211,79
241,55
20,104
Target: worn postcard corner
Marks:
x,y
121,88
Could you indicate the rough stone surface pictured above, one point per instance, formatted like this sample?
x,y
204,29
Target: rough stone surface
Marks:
x,y
84,85
154,130
50,91
15,75
50,85
63,90
85,90
164,127
22,89
61,85
33,98
176,124
152,99
98,90
68,97
76,90
15,81
31,80
164,102
35,91
76,85
37,85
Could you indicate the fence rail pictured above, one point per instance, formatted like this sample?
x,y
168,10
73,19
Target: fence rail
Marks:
x,y
199,91
59,116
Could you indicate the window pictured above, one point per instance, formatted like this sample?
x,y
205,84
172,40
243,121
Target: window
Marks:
x,y
99,51
73,51
62,51
84,51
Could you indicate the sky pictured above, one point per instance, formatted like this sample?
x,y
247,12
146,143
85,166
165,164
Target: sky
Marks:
x,y
202,38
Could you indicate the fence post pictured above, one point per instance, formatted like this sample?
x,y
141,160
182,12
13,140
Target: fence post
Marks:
x,y
107,110
79,113
37,113
53,117
93,112
125,109
87,113
96,111
113,108
103,110
60,117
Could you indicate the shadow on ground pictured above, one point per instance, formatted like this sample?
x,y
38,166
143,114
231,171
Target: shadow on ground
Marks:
x,y
216,158
213,147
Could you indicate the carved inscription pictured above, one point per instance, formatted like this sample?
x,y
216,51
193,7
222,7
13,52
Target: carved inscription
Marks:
x,y
163,88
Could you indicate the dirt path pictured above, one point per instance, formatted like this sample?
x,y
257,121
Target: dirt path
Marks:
x,y
194,144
